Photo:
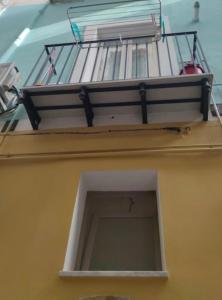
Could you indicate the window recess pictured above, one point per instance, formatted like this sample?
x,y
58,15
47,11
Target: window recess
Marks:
x,y
116,227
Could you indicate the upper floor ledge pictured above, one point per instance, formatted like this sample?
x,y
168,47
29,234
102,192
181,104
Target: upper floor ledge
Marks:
x,y
119,81
121,69
128,81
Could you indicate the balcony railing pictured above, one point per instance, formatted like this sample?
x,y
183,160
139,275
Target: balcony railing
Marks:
x,y
119,81
115,59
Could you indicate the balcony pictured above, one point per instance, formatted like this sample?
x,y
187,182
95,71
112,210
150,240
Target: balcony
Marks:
x,y
119,73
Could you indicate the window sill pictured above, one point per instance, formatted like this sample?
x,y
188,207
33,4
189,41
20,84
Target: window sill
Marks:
x,y
136,274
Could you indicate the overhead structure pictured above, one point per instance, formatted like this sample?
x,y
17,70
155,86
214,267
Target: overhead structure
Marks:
x,y
173,99
115,19
120,69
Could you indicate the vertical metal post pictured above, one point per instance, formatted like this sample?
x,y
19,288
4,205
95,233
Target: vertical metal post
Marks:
x,y
53,66
34,67
84,97
64,66
136,60
104,68
142,92
50,59
39,75
169,56
31,111
147,60
158,58
126,59
203,55
73,67
194,47
84,65
114,65
95,62
180,55
206,88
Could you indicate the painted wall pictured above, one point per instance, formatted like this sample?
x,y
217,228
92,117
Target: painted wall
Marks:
x,y
39,176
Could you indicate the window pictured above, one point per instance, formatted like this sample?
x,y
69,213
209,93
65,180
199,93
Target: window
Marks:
x,y
116,226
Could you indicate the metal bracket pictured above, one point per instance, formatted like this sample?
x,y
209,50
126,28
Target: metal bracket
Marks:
x,y
205,99
84,97
31,111
142,93
50,58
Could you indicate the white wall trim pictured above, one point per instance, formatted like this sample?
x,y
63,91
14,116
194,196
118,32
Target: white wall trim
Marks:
x,y
126,274
138,180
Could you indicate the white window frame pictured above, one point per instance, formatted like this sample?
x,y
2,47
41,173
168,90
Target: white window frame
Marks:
x,y
142,180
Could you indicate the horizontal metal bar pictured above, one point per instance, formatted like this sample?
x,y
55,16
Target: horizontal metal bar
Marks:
x,y
117,39
117,11
116,89
109,3
119,104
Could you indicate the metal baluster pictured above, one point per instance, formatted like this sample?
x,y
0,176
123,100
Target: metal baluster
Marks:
x,y
87,53
158,58
54,65
126,60
180,55
203,55
114,65
64,66
107,49
136,60
33,68
147,60
169,55
94,66
42,68
70,76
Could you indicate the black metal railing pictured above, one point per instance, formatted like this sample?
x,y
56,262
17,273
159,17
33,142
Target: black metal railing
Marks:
x,y
115,59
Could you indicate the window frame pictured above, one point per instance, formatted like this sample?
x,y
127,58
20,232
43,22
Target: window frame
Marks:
x,y
142,180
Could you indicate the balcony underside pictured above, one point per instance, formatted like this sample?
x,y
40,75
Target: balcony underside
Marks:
x,y
165,99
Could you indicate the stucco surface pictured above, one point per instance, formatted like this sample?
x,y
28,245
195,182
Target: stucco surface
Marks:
x,y
38,196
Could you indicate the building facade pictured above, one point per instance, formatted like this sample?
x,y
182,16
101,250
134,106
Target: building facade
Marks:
x,y
110,181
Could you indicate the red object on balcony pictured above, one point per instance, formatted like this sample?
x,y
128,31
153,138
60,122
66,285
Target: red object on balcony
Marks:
x,y
191,69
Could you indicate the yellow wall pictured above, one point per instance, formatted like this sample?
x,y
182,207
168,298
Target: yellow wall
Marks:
x,y
37,193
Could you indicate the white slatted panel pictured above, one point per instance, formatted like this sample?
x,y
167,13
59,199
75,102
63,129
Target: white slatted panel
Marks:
x,y
97,66
142,61
122,62
89,66
129,61
102,64
153,60
164,58
76,75
110,61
